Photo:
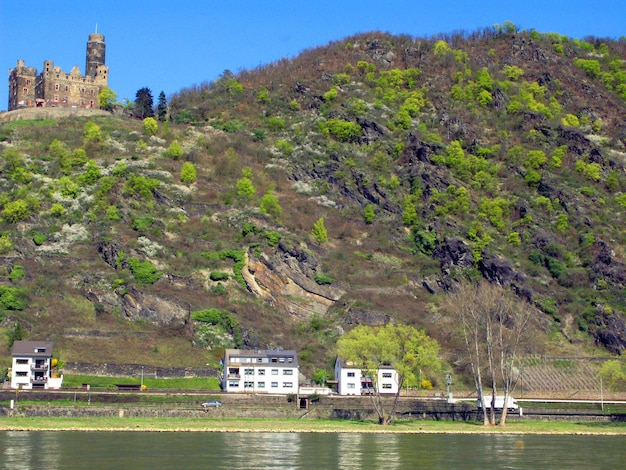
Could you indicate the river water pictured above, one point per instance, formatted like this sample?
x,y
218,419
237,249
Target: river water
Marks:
x,y
213,450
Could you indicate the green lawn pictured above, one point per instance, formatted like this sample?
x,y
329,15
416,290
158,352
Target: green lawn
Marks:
x,y
96,382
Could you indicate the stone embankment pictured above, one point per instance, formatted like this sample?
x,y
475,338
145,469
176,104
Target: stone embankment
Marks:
x,y
188,405
49,113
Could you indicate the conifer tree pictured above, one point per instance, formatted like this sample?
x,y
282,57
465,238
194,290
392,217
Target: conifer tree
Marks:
x,y
144,103
162,107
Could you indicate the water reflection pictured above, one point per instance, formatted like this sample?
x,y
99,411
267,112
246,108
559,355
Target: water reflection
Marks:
x,y
303,451
26,450
263,450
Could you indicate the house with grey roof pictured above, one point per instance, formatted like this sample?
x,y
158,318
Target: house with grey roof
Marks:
x,y
260,371
32,366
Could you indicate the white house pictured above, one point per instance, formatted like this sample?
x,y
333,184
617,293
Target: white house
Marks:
x,y
260,371
351,381
32,364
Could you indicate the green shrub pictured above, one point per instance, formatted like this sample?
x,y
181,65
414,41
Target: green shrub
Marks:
x,y
17,272
175,150
144,271
270,205
284,147
323,279
275,124
39,238
143,223
319,232
369,214
219,276
344,131
11,298
188,173
273,238
591,66
150,126
142,186
15,211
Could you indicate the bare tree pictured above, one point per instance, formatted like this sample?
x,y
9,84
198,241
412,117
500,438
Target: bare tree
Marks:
x,y
496,327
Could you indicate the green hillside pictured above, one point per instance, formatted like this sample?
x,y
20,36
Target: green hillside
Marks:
x,y
356,183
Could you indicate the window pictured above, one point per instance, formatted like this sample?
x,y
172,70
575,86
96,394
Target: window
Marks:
x,y
281,359
25,90
350,374
21,374
248,385
274,371
274,359
248,371
28,81
386,375
56,87
260,384
67,88
351,386
287,372
287,384
261,371
233,384
22,361
274,384
386,385
290,359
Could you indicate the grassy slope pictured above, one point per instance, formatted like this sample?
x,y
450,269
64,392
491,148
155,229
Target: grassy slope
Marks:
x,y
380,265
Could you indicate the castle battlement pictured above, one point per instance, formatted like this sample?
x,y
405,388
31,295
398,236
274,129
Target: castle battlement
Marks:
x,y
55,87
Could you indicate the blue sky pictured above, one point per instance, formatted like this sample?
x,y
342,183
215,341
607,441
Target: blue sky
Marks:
x,y
167,45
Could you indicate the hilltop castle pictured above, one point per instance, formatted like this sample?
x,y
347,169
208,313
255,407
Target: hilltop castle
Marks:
x,y
54,87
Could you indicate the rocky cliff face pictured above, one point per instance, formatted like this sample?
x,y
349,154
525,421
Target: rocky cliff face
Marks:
x,y
286,280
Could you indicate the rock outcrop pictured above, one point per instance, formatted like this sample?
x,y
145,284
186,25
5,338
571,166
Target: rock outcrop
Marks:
x,y
286,280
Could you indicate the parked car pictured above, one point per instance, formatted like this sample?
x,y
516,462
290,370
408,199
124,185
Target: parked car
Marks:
x,y
212,404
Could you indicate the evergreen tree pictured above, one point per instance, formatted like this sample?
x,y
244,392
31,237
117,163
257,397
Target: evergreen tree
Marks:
x,y
162,107
144,103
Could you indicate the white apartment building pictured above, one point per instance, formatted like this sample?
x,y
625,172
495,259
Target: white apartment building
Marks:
x,y
351,381
32,363
260,371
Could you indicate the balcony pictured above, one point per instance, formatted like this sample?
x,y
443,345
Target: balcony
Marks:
x,y
234,376
39,367
38,380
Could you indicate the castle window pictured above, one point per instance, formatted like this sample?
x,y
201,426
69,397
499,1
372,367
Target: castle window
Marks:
x,y
25,90
56,98
56,87
28,81
82,91
67,88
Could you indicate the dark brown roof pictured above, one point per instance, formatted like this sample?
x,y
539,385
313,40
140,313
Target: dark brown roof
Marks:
x,y
32,348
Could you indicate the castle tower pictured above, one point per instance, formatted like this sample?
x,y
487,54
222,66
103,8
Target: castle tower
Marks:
x,y
96,50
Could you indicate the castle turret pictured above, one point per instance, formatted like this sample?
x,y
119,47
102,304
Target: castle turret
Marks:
x,y
96,50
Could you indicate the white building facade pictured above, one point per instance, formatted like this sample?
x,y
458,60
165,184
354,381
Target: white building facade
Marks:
x,y
352,381
32,364
260,371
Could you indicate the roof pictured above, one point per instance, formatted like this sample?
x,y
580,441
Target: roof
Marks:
x,y
32,348
260,353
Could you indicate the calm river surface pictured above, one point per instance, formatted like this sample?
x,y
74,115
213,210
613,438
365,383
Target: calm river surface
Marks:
x,y
164,450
